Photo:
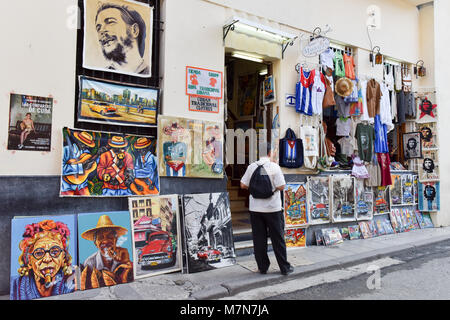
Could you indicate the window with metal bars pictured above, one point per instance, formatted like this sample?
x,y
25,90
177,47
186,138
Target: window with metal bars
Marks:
x,y
153,81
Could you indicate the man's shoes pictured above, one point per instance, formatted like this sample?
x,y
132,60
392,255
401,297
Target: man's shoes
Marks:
x,y
263,271
289,271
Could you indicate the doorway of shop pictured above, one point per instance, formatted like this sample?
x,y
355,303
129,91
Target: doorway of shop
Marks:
x,y
245,110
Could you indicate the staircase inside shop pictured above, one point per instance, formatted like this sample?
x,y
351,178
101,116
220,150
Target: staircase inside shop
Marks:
x,y
240,218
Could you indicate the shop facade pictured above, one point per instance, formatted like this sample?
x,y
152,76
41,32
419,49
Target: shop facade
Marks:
x,y
46,59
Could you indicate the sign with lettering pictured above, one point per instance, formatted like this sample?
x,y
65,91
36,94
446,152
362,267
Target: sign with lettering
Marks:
x,y
316,47
204,83
203,104
290,100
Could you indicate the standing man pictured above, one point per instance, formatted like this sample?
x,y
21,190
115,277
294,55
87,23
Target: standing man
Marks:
x,y
146,166
175,152
266,215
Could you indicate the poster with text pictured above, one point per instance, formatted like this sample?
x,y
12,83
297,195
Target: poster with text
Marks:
x,y
118,37
208,233
105,249
295,205
343,198
429,196
429,166
156,235
117,104
108,164
43,256
30,123
190,148
318,196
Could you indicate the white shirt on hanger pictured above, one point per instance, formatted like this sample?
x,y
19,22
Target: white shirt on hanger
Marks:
x,y
385,107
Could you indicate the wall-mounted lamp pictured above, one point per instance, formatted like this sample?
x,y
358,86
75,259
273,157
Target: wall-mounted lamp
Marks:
x,y
419,69
377,58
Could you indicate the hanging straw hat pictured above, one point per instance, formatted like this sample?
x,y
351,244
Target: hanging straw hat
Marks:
x,y
344,87
104,222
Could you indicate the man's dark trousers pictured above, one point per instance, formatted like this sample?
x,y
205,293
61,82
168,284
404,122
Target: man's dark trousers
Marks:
x,y
272,224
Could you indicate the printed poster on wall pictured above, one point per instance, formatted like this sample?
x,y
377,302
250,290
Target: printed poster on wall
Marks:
x,y
118,37
156,235
30,123
117,104
269,90
208,233
429,166
108,164
429,196
295,205
190,148
318,200
428,135
43,256
105,249
343,198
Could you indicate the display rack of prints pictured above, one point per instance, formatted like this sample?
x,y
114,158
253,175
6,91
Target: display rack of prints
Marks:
x,y
295,205
156,235
318,196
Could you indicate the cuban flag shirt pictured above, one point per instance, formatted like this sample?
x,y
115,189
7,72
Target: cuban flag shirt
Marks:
x,y
303,92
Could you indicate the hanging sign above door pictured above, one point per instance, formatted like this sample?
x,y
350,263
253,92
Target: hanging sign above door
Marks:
x,y
316,47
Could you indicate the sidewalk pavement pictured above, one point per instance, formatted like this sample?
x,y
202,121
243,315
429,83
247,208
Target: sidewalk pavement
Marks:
x,y
243,276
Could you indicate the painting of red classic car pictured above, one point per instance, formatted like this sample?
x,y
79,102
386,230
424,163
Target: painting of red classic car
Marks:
x,y
209,254
158,250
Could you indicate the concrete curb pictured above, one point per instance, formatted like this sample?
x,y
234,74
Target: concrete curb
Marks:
x,y
255,280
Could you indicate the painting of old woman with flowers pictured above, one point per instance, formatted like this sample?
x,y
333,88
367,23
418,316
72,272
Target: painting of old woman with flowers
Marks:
x,y
41,257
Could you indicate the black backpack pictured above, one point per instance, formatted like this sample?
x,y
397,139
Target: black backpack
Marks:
x,y
260,184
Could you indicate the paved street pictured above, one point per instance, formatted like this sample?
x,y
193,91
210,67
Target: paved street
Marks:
x,y
421,274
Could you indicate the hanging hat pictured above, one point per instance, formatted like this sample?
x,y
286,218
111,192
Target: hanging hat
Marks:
x,y
142,143
85,137
118,142
104,222
344,87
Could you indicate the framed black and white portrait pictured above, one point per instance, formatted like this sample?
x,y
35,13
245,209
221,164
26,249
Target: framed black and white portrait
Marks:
x,y
118,37
412,146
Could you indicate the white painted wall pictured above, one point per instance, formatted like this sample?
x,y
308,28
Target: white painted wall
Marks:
x,y
38,58
441,75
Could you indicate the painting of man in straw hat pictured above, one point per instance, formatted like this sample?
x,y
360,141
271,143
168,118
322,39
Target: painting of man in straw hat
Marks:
x,y
110,263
